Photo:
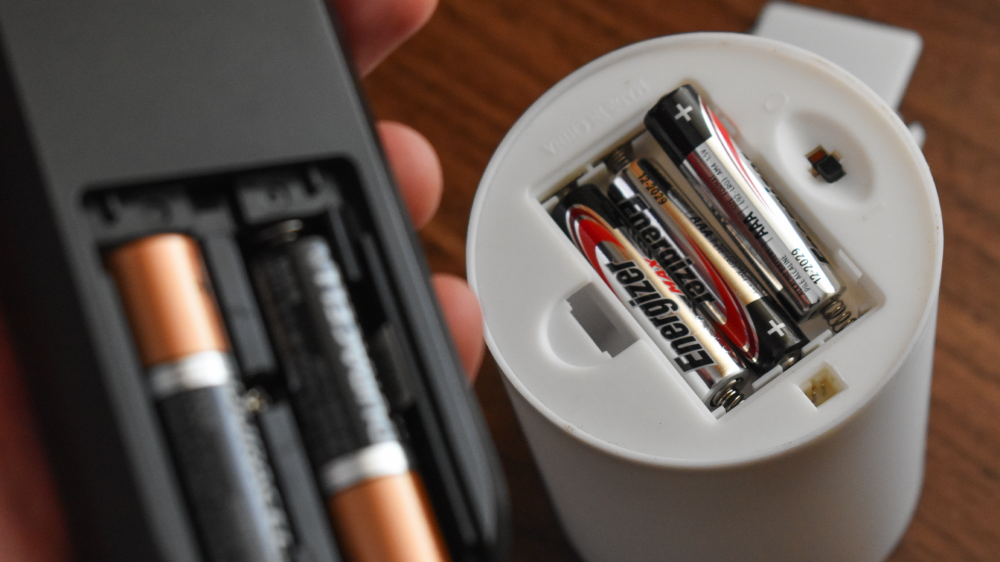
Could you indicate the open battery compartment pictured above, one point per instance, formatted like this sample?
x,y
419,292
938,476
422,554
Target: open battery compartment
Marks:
x,y
225,214
605,320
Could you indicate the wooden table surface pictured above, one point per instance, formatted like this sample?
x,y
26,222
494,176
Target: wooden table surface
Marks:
x,y
479,64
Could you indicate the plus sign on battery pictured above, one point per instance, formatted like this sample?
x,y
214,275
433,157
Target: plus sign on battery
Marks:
x,y
779,328
683,112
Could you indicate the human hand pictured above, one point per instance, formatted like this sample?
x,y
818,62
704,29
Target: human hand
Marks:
x,y
31,524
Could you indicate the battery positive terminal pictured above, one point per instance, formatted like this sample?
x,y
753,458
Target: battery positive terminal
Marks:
x,y
825,165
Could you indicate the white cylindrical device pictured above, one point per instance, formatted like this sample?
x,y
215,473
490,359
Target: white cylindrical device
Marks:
x,y
822,462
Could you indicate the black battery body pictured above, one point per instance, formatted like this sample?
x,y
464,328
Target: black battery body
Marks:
x,y
124,120
234,526
343,406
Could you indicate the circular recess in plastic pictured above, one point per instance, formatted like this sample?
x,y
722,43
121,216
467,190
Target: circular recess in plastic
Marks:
x,y
880,225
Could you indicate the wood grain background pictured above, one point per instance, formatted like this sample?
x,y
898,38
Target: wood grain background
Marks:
x,y
479,64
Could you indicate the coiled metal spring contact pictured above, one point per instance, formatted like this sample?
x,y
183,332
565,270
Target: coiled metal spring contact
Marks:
x,y
619,158
837,315
728,397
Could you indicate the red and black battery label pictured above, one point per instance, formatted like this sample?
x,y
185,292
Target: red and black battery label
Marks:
x,y
649,293
716,281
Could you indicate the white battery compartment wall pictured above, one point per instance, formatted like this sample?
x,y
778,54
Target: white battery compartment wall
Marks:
x,y
637,468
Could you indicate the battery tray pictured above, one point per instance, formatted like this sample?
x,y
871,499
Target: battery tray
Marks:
x,y
223,213
603,317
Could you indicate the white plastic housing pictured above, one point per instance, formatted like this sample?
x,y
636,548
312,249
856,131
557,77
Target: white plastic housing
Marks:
x,y
637,467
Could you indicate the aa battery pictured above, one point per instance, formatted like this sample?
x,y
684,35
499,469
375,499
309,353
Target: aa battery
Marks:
x,y
653,298
217,452
704,151
377,503
668,228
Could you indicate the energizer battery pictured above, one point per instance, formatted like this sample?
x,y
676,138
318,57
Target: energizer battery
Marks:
x,y
651,296
714,279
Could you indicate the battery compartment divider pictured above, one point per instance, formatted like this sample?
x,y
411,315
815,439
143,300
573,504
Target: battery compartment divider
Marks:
x,y
224,213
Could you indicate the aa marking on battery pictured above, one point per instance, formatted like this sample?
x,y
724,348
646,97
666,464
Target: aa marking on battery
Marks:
x,y
734,153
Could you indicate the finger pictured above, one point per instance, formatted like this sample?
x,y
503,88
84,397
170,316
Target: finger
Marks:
x,y
375,27
31,524
463,316
416,168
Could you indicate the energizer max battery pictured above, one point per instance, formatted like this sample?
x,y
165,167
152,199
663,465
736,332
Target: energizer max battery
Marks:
x,y
668,228
219,457
708,365
376,502
704,151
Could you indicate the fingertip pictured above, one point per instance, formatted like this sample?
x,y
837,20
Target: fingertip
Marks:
x,y
416,167
32,527
375,27
464,318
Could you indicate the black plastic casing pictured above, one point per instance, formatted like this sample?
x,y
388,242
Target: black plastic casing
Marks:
x,y
123,119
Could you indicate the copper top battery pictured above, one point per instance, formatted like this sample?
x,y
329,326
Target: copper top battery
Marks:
x,y
713,278
377,503
702,148
651,296
179,335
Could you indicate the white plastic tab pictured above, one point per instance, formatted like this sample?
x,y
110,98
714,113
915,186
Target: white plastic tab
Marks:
x,y
882,56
